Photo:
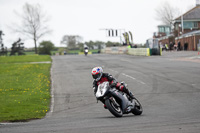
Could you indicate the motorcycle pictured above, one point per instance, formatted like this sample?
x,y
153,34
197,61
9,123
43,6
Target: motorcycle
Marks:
x,y
86,52
117,102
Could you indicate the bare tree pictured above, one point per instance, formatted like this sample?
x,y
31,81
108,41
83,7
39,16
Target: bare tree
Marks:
x,y
166,13
71,41
34,23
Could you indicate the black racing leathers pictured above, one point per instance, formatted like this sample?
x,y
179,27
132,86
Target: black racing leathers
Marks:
x,y
113,83
105,77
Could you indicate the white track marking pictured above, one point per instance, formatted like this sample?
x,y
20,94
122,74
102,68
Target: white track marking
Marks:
x,y
128,76
113,70
52,94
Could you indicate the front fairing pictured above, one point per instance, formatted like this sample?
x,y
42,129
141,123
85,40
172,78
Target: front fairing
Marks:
x,y
102,90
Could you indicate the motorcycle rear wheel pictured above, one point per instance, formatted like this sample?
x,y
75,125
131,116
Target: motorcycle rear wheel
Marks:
x,y
115,110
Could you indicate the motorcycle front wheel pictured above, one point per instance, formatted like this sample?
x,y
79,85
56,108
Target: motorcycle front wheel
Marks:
x,y
114,108
138,108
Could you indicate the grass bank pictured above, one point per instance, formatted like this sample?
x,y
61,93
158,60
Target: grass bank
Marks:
x,y
24,88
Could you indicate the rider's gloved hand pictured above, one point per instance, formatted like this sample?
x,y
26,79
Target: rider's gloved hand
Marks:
x,y
113,85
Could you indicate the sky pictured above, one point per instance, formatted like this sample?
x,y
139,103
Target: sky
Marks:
x,y
88,18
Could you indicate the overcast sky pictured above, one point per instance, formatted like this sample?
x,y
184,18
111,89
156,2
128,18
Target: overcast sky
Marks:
x,y
87,17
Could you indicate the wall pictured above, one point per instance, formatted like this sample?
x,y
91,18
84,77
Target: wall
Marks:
x,y
125,50
139,51
115,50
192,42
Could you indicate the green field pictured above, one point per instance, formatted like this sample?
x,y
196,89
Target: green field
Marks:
x,y
24,88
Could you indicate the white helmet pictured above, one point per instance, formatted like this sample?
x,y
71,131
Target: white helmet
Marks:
x,y
97,73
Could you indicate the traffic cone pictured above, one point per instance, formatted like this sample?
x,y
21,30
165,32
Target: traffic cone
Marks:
x,y
198,53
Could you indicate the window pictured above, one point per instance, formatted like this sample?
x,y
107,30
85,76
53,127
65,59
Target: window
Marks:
x,y
177,26
195,24
187,25
167,30
190,24
162,29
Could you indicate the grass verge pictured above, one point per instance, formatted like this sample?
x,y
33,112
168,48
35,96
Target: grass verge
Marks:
x,y
24,88
24,58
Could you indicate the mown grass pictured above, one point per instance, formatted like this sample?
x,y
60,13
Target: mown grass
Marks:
x,y
24,88
26,58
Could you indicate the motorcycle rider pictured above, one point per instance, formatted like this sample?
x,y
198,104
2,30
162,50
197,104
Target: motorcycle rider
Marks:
x,y
100,77
86,50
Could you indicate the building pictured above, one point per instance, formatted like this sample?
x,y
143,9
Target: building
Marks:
x,y
164,35
163,30
186,30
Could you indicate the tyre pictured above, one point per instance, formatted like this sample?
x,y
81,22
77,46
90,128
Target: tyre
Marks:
x,y
114,108
138,108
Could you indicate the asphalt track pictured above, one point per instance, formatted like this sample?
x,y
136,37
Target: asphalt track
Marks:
x,y
167,86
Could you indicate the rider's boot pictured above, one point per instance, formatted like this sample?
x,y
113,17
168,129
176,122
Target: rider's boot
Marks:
x,y
126,90
104,106
130,94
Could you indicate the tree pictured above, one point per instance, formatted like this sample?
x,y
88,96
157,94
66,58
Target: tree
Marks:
x,y
81,47
92,45
46,47
111,44
17,47
166,13
71,41
99,44
34,23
